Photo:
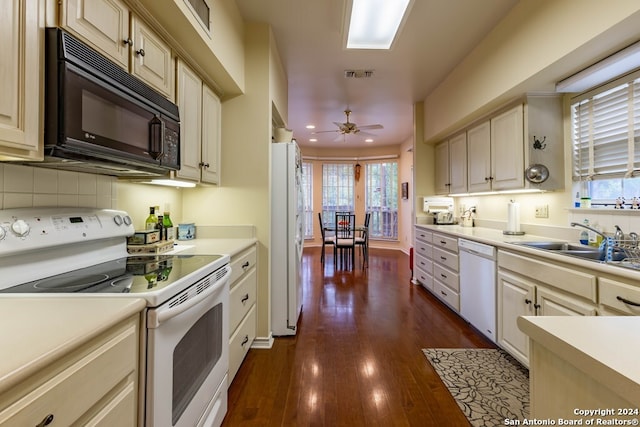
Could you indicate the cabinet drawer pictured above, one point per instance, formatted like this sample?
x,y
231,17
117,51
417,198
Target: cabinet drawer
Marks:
x,y
446,258
240,342
611,290
446,276
424,249
445,242
242,263
423,236
241,298
567,279
79,382
424,264
425,279
450,297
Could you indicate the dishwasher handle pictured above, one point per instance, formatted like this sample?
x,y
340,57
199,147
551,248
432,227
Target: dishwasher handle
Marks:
x,y
476,248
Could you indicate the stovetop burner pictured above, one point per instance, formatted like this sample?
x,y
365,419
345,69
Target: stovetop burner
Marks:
x,y
130,275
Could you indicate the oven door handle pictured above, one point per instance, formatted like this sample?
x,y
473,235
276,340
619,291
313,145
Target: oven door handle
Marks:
x,y
166,312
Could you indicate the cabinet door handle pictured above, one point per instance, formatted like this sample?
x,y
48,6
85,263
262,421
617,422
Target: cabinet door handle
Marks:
x,y
626,301
46,421
203,165
140,52
127,41
244,298
245,340
245,265
527,301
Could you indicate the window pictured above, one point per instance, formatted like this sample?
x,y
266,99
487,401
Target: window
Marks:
x,y
381,199
606,140
337,190
307,189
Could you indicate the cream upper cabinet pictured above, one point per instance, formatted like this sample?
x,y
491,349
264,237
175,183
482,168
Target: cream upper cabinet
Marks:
x,y
441,155
451,165
200,118
21,84
109,27
189,97
479,155
211,136
507,150
458,164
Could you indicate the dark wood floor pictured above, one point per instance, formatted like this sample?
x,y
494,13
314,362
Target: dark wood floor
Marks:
x,y
357,359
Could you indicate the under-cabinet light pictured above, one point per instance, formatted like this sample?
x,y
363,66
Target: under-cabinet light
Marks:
x,y
172,183
611,67
374,24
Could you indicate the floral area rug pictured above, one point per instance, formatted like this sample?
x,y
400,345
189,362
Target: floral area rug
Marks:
x,y
489,385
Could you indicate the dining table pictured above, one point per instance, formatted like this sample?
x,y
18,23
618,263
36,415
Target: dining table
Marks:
x,y
361,228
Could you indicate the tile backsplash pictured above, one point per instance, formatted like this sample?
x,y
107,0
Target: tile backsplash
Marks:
x,y
26,186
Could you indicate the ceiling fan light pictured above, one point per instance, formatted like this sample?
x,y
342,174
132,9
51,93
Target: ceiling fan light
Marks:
x,y
374,24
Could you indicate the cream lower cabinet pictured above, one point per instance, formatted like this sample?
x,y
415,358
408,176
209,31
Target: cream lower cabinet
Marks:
x,y
95,385
422,261
121,36
200,128
618,297
21,84
530,287
242,308
446,280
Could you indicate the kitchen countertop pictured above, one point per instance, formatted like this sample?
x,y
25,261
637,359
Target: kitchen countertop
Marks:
x,y
213,246
35,331
496,238
589,343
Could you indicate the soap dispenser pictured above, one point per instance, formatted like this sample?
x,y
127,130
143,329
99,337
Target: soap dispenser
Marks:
x,y
584,235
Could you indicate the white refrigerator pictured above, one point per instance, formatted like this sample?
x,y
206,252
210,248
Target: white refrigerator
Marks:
x,y
287,237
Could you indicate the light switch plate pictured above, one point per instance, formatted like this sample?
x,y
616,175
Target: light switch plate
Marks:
x,y
542,211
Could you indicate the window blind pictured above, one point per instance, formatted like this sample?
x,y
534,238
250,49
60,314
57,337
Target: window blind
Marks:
x,y
606,133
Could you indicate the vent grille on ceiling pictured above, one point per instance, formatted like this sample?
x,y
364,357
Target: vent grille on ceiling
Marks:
x,y
358,74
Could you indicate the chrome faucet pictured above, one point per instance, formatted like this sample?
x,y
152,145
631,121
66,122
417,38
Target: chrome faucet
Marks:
x,y
598,232
619,235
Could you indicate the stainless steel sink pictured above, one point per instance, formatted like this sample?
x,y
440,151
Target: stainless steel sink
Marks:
x,y
577,250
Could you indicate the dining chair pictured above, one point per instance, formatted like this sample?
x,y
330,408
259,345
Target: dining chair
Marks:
x,y
345,242
326,240
362,240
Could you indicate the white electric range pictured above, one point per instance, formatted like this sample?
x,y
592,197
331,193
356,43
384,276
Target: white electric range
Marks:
x,y
82,252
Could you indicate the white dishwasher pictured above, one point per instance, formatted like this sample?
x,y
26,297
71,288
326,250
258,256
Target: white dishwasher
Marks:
x,y
478,286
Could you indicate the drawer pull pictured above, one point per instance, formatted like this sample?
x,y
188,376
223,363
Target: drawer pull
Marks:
x,y
245,265
245,340
47,420
443,293
443,242
244,298
444,258
626,301
444,276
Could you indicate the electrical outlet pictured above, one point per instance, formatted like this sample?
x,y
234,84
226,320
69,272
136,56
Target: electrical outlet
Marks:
x,y
542,211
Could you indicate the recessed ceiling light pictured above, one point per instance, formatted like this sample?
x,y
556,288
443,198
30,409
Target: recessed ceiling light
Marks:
x,y
368,140
374,24
313,140
310,127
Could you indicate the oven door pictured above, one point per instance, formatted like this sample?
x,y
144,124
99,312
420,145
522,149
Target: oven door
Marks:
x,y
187,355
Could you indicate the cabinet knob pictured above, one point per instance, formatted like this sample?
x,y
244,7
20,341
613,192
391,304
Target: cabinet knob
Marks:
x,y
127,41
140,52
46,421
203,165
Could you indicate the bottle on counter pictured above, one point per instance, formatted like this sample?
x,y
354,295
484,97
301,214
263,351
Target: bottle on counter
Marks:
x,y
168,226
152,220
160,228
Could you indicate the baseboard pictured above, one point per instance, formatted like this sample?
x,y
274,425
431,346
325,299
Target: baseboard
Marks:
x,y
262,343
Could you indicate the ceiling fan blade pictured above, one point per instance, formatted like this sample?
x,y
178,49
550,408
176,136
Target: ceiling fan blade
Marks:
x,y
371,127
326,131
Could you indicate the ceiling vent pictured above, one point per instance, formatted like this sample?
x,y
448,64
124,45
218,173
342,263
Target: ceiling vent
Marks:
x,y
358,74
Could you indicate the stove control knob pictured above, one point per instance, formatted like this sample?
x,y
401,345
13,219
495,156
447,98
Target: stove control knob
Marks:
x,y
20,227
127,220
118,220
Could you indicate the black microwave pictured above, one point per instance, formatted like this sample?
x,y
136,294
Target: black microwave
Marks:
x,y
101,119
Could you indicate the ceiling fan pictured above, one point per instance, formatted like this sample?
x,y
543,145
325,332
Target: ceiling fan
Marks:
x,y
348,127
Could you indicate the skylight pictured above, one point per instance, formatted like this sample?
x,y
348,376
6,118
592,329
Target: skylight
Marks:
x,y
375,23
